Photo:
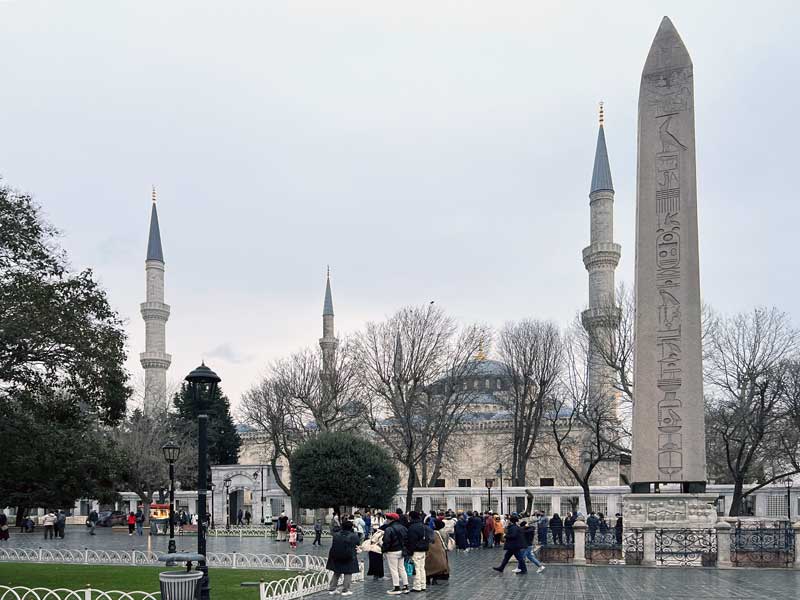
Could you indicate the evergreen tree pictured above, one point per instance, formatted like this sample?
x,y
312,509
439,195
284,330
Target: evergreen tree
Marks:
x,y
223,439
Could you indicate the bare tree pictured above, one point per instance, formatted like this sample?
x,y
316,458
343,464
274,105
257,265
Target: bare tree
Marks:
x,y
140,438
585,428
750,377
298,397
532,352
399,361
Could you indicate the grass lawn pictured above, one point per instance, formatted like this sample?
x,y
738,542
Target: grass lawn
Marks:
x,y
224,582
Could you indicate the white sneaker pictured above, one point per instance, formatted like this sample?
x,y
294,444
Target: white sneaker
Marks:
x,y
517,571
333,593
540,569
347,593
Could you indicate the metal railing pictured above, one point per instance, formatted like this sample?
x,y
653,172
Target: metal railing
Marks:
x,y
686,547
39,593
633,546
763,546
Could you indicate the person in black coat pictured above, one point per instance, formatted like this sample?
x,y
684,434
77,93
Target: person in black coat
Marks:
x,y
342,558
515,546
417,543
618,530
569,521
557,528
460,530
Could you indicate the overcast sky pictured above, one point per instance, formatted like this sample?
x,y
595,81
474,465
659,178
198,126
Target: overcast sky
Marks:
x,y
427,150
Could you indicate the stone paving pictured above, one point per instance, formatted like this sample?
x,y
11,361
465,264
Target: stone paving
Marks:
x,y
472,576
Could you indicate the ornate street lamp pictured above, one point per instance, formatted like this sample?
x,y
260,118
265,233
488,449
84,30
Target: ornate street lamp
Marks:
x,y
499,474
789,484
202,384
211,486
255,476
227,484
489,484
171,452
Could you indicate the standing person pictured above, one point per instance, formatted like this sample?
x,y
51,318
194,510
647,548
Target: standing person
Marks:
x,y
618,530
293,537
336,524
460,531
131,523
592,523
49,522
317,533
418,540
437,567
528,531
93,519
247,517
4,535
557,527
359,526
367,525
602,526
474,526
569,532
61,524
402,518
375,554
488,530
342,558
139,520
514,546
541,525
498,530
283,526
394,541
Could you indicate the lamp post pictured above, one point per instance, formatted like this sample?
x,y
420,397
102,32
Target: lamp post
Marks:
x,y
171,452
211,486
789,484
255,476
499,474
202,384
227,484
489,484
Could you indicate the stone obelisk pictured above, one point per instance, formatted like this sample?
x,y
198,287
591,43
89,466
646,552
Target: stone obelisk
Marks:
x,y
668,429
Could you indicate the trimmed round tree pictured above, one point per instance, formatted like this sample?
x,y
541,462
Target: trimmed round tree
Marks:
x,y
336,469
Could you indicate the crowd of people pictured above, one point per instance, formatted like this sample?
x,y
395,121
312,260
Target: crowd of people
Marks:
x,y
415,546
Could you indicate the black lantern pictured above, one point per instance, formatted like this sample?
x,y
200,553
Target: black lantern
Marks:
x,y
202,385
171,452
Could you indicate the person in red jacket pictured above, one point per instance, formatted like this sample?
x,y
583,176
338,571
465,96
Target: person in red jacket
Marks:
x,y
131,523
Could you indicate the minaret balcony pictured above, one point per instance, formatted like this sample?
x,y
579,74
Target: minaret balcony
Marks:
x,y
155,360
155,311
601,254
607,317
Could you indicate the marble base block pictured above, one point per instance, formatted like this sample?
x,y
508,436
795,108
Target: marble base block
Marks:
x,y
670,510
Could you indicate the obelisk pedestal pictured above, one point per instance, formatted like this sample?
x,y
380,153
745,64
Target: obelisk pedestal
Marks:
x,y
668,413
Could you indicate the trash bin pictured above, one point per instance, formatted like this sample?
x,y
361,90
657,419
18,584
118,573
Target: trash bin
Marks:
x,y
179,585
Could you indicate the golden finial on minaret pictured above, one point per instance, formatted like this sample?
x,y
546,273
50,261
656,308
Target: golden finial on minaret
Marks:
x,y
154,194
602,116
481,355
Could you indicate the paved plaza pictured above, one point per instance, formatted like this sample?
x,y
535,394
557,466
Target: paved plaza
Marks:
x,y
472,576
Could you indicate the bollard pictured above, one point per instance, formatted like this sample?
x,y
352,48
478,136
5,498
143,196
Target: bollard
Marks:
x,y
796,528
40,554
86,555
723,531
133,557
579,530
262,590
234,559
649,541
87,593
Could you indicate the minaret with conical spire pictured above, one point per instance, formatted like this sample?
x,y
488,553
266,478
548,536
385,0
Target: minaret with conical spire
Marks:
x,y
600,258
155,360
328,341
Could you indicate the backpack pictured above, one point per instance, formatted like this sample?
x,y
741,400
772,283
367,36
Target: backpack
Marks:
x,y
340,549
429,536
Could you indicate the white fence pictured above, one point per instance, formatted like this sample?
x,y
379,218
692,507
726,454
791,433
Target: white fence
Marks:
x,y
314,580
240,532
26,593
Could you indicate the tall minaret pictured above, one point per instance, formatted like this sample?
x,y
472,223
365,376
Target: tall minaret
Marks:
x,y
155,361
328,341
601,257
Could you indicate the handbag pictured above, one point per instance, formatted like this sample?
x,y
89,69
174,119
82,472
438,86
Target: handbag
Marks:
x,y
409,568
451,544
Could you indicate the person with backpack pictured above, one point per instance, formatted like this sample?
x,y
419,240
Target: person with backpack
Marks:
x,y
139,521
93,519
49,522
342,559
418,540
394,543
61,524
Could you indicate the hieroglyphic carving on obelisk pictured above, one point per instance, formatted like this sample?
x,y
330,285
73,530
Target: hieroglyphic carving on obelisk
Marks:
x,y
668,430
